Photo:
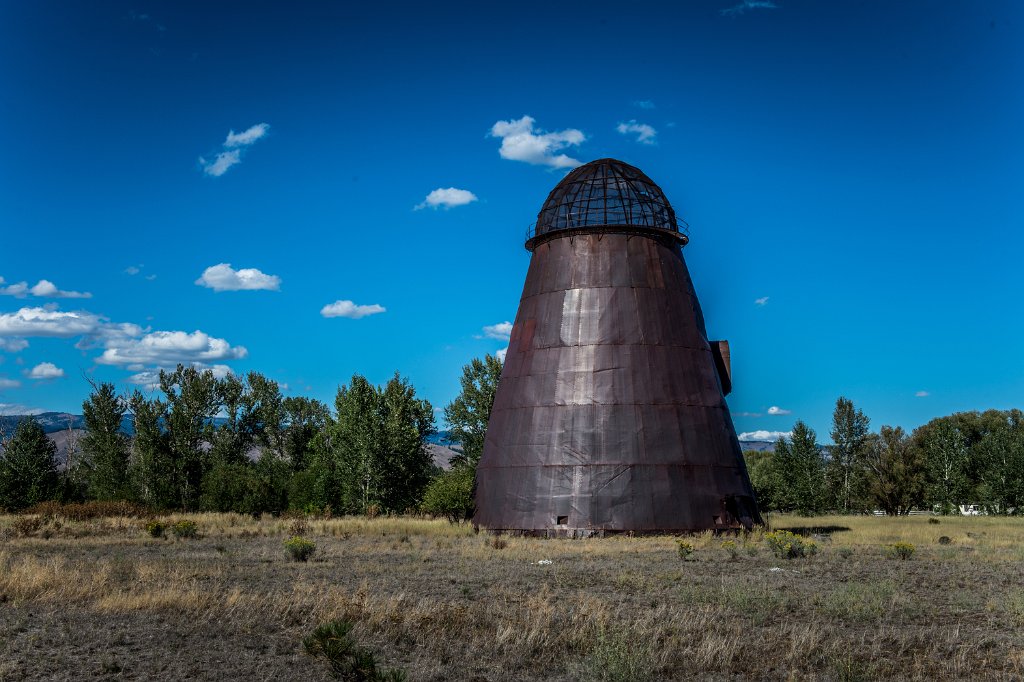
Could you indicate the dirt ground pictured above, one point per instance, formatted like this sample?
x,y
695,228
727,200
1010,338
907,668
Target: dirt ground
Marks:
x,y
102,599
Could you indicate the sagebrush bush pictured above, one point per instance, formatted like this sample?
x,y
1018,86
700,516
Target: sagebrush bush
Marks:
x,y
155,528
299,548
787,545
731,549
348,661
900,550
685,549
185,529
26,526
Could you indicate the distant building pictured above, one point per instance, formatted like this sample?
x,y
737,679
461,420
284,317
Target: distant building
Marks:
x,y
610,415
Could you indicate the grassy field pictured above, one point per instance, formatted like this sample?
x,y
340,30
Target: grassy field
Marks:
x,y
102,599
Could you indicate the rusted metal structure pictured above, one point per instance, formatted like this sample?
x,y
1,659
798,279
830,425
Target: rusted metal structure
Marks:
x,y
610,415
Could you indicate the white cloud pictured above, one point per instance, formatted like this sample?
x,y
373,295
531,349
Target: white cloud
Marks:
x,y
222,277
166,349
43,289
45,370
133,269
447,198
644,104
350,310
501,354
644,133
221,163
246,137
761,301
232,154
765,435
13,345
747,414
11,408
520,141
6,383
501,331
778,411
46,322
922,394
747,4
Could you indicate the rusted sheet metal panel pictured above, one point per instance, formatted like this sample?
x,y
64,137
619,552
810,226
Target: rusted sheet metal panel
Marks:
x,y
723,363
610,414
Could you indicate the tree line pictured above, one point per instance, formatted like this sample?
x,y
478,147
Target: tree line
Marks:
x,y
968,458
236,444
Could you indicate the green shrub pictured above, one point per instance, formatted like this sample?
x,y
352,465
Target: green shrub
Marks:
x,y
185,529
731,549
685,549
933,521
450,494
348,661
155,528
299,548
787,545
900,550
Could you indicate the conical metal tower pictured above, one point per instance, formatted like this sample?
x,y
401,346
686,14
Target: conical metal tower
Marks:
x,y
610,414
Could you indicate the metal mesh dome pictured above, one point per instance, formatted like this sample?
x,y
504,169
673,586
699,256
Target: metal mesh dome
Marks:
x,y
602,193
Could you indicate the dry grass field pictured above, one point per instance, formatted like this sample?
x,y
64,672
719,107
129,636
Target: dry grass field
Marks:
x,y
102,599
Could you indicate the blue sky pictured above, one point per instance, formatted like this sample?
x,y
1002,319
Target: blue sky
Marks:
x,y
852,174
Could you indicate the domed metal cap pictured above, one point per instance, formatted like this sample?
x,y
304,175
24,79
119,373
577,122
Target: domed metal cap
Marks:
x,y
606,193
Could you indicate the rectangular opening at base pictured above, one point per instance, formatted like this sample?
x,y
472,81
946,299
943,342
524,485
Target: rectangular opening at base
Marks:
x,y
562,521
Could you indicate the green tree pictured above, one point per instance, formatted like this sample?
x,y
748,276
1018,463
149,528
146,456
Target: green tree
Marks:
x,y
469,413
105,446
192,403
894,471
799,472
850,429
1001,455
153,471
946,457
373,454
761,469
28,467
305,418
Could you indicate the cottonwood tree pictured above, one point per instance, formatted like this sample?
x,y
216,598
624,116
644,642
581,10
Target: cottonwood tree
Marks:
x,y
1001,452
850,429
946,457
192,404
799,472
894,471
373,455
469,413
28,467
153,471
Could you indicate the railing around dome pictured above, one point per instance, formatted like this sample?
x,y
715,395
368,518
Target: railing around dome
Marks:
x,y
682,229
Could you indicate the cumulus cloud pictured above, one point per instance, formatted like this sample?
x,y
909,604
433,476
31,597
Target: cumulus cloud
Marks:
x,y
168,348
778,411
246,137
739,9
13,345
45,370
447,198
220,163
44,288
922,394
765,435
222,277
761,301
6,383
644,104
133,269
501,331
501,354
47,322
350,310
232,153
645,134
520,141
